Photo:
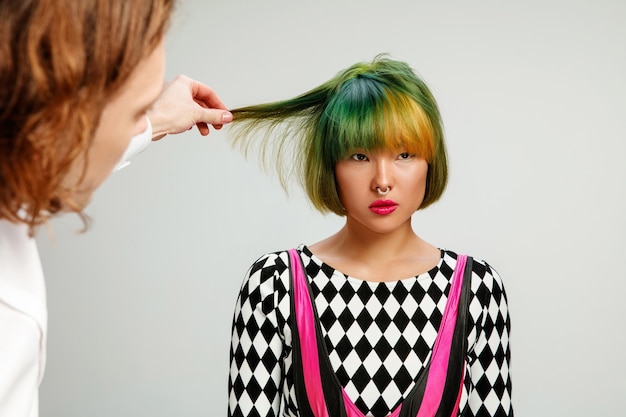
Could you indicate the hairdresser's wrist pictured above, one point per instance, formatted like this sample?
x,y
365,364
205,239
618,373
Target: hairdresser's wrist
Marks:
x,y
159,126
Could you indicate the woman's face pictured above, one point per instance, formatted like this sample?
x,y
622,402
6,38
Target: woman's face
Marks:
x,y
362,173
122,118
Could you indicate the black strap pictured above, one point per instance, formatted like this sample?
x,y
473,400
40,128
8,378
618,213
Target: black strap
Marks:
x,y
456,365
411,405
458,350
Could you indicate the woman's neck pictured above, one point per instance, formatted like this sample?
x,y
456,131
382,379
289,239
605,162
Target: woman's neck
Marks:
x,y
373,256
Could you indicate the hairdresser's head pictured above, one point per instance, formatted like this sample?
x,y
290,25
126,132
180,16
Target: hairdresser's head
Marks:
x,y
374,106
77,78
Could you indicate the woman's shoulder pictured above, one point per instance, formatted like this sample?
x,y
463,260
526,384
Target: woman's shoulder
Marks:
x,y
482,271
271,263
266,280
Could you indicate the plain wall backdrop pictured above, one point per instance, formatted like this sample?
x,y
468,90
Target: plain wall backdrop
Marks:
x,y
533,96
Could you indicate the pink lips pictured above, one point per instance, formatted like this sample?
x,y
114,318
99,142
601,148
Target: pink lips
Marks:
x,y
383,207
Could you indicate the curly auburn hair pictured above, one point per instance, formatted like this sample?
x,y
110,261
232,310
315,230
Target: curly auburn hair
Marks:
x,y
60,62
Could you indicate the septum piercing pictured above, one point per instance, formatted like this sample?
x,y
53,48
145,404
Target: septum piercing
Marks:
x,y
381,192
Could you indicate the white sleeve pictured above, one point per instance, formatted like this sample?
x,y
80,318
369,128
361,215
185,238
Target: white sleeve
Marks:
x,y
20,363
23,322
137,145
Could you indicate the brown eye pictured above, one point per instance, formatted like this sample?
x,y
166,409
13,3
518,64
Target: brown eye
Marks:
x,y
359,157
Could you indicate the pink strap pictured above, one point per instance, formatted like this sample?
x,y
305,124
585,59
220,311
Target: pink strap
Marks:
x,y
308,347
310,356
441,351
308,342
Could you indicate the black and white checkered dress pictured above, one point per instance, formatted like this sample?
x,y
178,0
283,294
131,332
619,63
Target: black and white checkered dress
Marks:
x,y
379,336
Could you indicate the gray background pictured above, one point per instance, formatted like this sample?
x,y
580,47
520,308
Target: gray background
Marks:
x,y
533,96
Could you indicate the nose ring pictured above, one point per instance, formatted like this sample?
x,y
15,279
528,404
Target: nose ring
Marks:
x,y
381,192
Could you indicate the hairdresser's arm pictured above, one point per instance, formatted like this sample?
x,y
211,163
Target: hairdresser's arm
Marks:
x,y
185,103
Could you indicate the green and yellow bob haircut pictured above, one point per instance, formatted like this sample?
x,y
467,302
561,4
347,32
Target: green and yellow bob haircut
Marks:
x,y
370,106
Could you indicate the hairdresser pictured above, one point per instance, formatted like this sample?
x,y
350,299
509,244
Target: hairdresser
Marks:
x,y
78,80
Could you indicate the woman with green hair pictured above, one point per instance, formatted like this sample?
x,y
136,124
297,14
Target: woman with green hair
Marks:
x,y
373,320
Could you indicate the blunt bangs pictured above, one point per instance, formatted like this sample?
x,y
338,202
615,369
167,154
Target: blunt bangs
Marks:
x,y
366,115
407,127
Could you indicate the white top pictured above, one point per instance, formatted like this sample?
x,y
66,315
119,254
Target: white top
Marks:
x,y
24,313
23,322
